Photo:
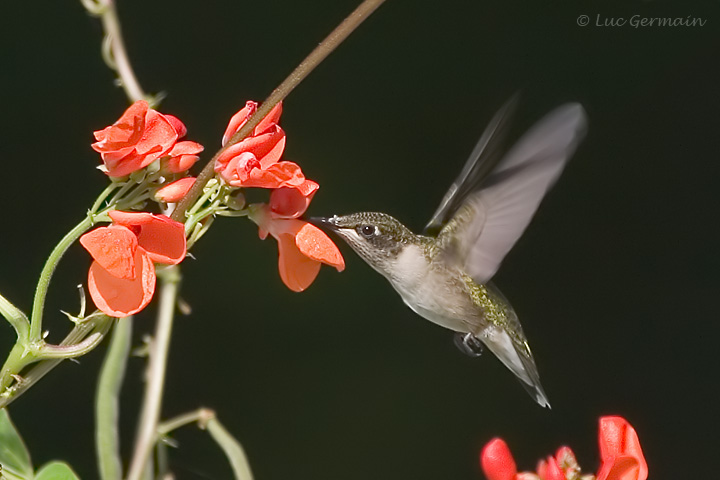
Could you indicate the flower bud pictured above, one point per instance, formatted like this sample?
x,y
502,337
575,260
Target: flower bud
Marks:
x,y
175,191
236,200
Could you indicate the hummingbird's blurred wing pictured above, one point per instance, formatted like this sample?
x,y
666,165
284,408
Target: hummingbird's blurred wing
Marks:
x,y
495,213
486,154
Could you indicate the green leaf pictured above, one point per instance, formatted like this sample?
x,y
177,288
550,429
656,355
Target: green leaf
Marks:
x,y
56,471
14,456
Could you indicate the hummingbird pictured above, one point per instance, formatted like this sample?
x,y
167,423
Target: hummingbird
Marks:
x,y
444,274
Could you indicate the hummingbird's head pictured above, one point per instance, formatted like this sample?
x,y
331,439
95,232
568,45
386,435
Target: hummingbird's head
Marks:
x,y
378,238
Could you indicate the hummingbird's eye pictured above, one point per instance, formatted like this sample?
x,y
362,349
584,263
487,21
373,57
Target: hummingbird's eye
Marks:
x,y
367,231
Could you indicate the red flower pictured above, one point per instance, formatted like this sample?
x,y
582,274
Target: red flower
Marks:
x,y
302,247
138,138
121,279
497,462
266,142
255,161
622,457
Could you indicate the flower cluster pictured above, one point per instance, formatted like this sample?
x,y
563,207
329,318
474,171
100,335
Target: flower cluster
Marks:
x,y
255,162
141,136
121,280
620,453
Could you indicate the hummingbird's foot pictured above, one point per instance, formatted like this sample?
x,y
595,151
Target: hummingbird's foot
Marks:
x,y
468,344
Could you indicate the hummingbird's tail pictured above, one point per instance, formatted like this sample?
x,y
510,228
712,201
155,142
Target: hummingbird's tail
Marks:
x,y
517,358
507,341
535,389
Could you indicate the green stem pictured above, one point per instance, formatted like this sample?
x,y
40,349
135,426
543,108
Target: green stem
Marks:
x,y
212,190
122,66
150,413
16,360
319,54
107,413
46,275
16,318
232,448
19,357
121,193
101,198
201,416
206,420
232,213
59,352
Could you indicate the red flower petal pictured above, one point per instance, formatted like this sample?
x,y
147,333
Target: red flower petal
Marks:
x,y
272,117
119,297
238,120
237,171
618,444
177,125
186,147
113,248
130,163
313,243
290,202
552,470
308,188
124,133
296,270
267,148
162,237
281,174
621,468
180,163
497,461
175,191
159,135
130,219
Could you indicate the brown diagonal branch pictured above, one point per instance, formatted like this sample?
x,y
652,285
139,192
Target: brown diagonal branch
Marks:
x,y
320,52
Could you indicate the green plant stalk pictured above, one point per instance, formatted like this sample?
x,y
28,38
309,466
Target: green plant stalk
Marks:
x,y
102,197
111,25
16,318
213,191
60,352
206,420
199,416
107,443
150,412
17,360
232,449
46,275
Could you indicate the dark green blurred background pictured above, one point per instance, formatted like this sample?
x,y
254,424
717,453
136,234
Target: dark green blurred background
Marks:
x,y
616,280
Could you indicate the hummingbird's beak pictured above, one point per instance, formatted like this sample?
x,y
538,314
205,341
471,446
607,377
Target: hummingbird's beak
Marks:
x,y
324,222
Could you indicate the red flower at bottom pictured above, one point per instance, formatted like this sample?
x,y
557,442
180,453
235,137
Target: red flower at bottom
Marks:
x,y
620,452
622,457
121,279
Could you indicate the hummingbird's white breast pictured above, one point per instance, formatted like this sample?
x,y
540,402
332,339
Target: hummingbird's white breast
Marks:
x,y
431,291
